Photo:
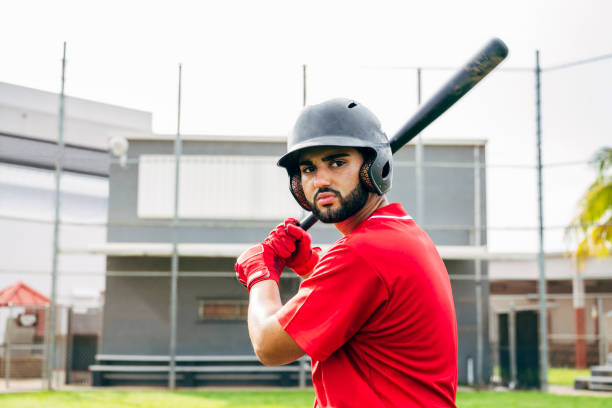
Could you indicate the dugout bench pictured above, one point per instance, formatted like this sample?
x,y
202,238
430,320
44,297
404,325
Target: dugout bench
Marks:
x,y
197,371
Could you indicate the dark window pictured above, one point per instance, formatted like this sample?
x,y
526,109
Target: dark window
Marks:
x,y
223,310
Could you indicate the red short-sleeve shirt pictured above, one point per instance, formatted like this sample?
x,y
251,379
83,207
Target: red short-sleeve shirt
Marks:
x,y
377,319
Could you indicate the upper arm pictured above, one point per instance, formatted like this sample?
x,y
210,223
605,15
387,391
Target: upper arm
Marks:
x,y
334,303
279,347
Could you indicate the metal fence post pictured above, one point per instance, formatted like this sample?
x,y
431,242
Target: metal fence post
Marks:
x,y
541,260
478,269
7,351
304,85
302,372
45,370
601,326
418,171
175,255
58,175
69,346
512,343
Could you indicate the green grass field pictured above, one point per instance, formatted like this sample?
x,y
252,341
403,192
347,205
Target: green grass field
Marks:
x,y
267,399
565,376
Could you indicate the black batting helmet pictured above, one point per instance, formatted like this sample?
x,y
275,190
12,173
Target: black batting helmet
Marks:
x,y
340,122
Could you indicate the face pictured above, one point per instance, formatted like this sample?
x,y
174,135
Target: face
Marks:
x,y
330,180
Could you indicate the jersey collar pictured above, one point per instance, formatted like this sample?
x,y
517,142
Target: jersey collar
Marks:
x,y
390,211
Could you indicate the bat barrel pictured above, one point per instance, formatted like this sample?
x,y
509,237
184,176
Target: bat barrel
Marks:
x,y
464,80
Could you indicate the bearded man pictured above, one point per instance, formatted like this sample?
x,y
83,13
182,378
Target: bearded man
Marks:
x,y
375,313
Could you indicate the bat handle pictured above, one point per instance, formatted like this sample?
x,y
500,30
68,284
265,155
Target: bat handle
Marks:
x,y
308,222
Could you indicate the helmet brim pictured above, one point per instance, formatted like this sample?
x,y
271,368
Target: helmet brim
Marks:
x,y
289,159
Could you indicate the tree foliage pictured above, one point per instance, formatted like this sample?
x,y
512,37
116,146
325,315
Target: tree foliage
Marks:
x,y
591,228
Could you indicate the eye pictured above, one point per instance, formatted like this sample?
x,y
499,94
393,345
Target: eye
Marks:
x,y
337,163
307,169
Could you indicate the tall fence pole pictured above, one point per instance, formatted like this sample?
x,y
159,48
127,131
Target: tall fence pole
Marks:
x,y
7,348
175,255
478,268
541,260
512,343
58,176
418,171
601,331
304,85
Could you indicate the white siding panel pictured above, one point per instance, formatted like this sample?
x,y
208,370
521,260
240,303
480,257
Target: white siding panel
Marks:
x,y
226,187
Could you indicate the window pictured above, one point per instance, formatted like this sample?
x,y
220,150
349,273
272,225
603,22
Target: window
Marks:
x,y
225,187
223,310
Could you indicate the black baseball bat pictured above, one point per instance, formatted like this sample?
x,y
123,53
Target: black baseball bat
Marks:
x,y
465,79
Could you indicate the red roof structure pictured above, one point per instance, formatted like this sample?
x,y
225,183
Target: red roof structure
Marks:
x,y
20,294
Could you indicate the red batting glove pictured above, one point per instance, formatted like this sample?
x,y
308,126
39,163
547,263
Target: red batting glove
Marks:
x,y
304,258
266,260
257,264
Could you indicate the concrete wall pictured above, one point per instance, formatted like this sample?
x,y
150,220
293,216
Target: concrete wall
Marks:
x,y
136,308
136,313
449,196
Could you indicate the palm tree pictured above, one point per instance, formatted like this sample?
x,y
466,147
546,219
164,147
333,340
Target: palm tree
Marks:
x,y
592,226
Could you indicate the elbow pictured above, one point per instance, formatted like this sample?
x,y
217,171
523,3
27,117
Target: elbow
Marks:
x,y
266,356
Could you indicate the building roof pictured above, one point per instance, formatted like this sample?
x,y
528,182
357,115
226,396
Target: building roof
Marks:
x,y
20,294
32,113
277,139
557,267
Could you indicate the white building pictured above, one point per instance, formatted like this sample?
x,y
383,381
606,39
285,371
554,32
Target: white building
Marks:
x,y
579,304
28,148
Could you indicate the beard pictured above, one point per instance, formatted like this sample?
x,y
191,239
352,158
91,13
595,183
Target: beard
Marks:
x,y
349,206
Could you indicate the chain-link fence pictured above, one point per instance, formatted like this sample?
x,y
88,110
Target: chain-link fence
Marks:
x,y
479,204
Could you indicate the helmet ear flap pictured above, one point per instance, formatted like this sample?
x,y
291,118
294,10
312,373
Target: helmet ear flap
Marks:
x,y
295,185
375,171
364,174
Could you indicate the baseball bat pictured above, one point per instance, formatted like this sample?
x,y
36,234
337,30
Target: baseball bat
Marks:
x,y
465,79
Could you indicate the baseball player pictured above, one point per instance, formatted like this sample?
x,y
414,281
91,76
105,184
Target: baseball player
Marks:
x,y
375,313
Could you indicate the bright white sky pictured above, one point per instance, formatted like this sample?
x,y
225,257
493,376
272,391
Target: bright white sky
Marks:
x,y
242,74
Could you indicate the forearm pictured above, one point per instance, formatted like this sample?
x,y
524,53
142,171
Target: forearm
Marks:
x,y
264,302
271,343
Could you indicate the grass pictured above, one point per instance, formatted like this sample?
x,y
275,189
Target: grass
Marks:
x,y
528,400
159,399
268,399
565,376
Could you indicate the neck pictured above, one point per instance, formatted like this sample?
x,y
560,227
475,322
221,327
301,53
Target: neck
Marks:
x,y
373,203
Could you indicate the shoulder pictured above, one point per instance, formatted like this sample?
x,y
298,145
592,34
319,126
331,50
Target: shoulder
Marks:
x,y
345,250
348,258
345,270
374,236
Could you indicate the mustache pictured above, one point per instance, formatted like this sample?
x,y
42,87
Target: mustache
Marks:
x,y
326,190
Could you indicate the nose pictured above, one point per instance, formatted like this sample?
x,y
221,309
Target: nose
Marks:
x,y
321,178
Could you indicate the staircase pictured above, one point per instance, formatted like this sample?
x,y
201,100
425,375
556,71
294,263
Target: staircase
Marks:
x,y
600,379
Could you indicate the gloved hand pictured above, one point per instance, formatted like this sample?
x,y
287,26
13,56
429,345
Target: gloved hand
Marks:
x,y
257,264
266,260
303,258
288,245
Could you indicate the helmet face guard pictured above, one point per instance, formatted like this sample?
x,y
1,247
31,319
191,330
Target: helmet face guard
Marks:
x,y
340,123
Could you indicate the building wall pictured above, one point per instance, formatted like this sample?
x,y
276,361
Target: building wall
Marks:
x,y
28,150
136,313
137,308
516,282
33,113
27,210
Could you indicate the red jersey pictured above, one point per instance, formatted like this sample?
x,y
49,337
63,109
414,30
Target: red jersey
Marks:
x,y
377,319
